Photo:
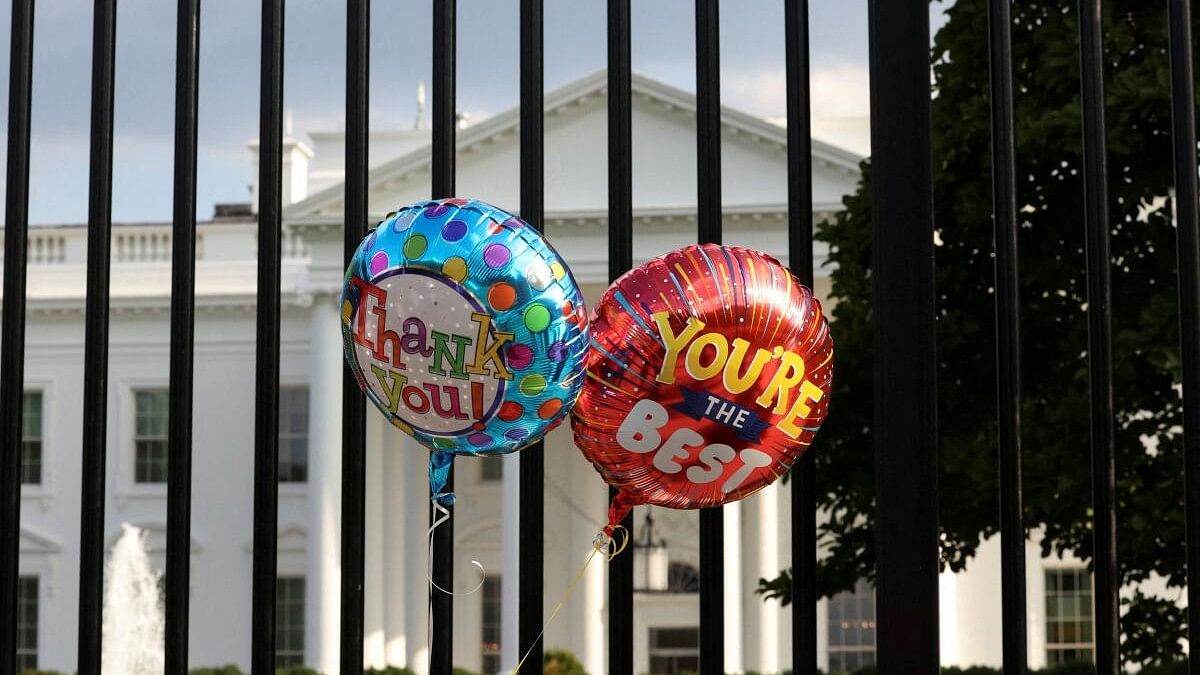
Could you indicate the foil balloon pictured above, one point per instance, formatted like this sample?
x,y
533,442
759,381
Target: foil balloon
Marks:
x,y
465,328
708,374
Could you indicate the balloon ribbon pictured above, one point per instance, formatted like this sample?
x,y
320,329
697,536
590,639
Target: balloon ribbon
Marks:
x,y
602,544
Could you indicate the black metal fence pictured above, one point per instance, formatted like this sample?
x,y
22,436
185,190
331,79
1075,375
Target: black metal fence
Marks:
x,y
904,314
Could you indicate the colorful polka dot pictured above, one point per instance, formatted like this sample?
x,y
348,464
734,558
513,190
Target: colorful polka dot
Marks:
x,y
501,296
557,350
444,443
568,308
454,230
537,318
479,440
379,263
496,255
435,210
519,357
455,268
370,241
549,408
558,269
347,311
533,384
405,221
517,434
510,411
415,246
539,275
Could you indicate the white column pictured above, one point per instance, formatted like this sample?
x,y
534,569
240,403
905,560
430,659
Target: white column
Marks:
x,y
395,581
511,555
593,494
324,487
416,542
373,585
732,517
766,540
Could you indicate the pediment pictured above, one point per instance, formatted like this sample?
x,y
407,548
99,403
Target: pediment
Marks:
x,y
487,532
36,543
289,538
754,158
156,538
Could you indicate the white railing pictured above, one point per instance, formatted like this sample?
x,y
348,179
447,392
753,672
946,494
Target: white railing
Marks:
x,y
151,243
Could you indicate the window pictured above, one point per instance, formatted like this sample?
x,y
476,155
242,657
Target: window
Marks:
x,y
682,578
31,438
491,468
674,651
490,622
289,621
1068,616
852,629
150,436
293,435
27,623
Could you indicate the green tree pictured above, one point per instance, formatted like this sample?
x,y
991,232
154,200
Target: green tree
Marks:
x,y
1053,312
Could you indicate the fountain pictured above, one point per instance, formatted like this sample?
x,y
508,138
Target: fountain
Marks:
x,y
133,618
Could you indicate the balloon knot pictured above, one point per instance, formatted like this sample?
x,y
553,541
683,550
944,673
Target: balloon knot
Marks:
x,y
444,499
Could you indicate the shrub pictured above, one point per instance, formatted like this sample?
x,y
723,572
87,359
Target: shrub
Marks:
x,y
227,669
296,670
562,662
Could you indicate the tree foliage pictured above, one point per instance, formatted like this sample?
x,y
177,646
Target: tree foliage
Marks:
x,y
1053,297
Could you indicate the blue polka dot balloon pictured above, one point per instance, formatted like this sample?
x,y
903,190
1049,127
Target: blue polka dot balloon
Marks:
x,y
464,327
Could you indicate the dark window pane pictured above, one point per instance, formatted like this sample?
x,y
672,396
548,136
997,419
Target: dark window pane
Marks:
x,y
150,436
27,623
293,434
491,468
1068,616
31,438
851,637
289,621
490,624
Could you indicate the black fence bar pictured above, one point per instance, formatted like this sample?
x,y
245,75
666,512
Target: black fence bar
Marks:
x,y
800,259
95,343
905,377
354,411
266,383
1183,121
1008,353
532,461
441,653
708,221
620,260
1095,211
183,301
12,332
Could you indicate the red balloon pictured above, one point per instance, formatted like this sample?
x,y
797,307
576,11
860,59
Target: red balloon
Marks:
x,y
708,375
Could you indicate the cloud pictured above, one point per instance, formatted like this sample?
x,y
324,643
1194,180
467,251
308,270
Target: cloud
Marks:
x,y
836,91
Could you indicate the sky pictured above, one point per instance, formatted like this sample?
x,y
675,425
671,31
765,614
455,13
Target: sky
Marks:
x,y
752,79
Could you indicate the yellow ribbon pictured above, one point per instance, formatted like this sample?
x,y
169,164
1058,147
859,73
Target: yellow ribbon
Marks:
x,y
603,545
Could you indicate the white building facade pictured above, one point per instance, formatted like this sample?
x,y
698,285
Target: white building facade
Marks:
x,y
757,532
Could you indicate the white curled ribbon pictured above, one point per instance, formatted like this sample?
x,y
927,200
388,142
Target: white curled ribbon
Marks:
x,y
443,515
